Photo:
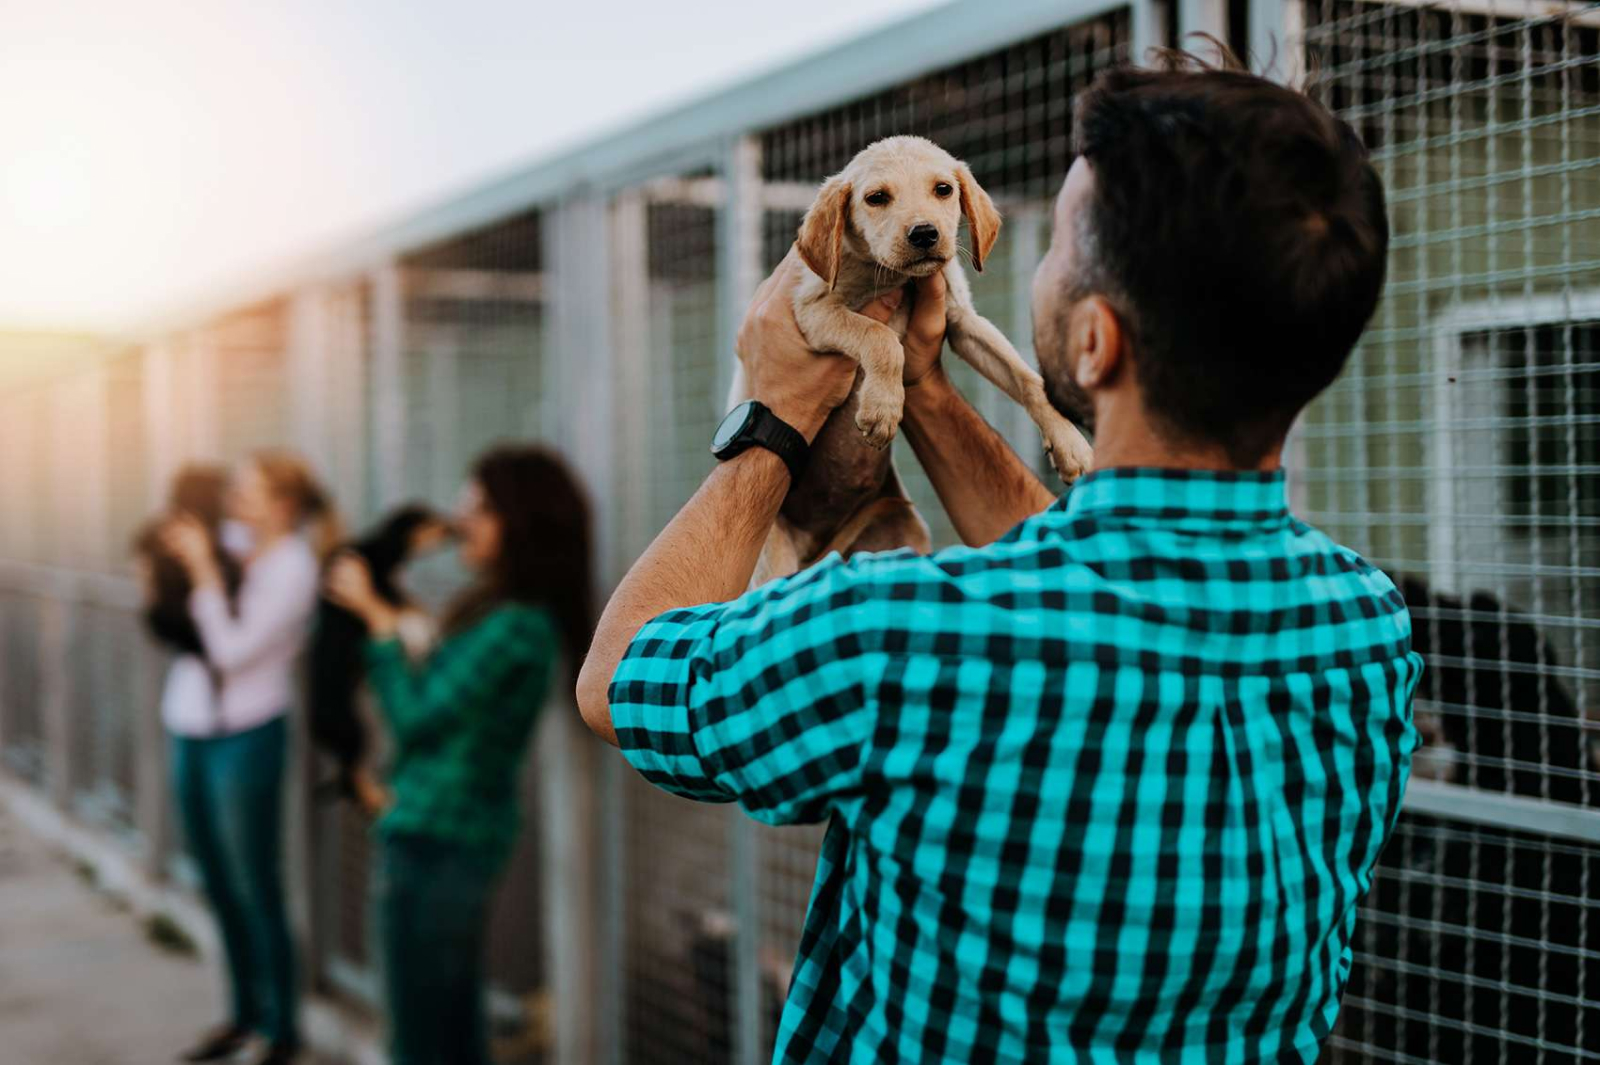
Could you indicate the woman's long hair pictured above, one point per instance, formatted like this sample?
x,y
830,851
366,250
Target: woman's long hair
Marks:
x,y
290,476
545,554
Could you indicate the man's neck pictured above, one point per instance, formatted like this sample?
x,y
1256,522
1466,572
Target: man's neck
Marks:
x,y
1128,437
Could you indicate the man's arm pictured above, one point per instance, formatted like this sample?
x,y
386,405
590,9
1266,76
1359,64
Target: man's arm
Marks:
x,y
707,553
985,488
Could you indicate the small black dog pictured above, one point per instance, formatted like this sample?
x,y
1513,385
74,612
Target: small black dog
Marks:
x,y
335,668
197,491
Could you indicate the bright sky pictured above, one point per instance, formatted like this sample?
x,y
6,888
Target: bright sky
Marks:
x,y
153,151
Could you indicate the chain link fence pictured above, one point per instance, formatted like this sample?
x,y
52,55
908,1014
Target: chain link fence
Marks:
x,y
591,304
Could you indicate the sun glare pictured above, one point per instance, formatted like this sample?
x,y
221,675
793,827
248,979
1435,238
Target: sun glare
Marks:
x,y
44,190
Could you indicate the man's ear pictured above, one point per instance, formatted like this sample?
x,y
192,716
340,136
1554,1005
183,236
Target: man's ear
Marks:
x,y
1099,342
982,218
821,239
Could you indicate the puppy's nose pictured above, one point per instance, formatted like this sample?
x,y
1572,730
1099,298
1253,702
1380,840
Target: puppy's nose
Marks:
x,y
922,236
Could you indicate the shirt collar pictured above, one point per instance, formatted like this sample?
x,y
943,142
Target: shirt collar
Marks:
x,y
1194,498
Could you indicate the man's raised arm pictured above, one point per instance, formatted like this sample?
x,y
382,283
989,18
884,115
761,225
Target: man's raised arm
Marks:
x,y
984,486
707,553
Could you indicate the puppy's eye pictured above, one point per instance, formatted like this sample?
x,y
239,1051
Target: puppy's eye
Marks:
x,y
880,198
942,190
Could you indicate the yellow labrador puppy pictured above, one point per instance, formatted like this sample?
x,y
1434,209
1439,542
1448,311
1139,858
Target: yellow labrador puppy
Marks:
x,y
890,216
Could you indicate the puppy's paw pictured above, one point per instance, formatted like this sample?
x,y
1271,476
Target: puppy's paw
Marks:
x,y
1069,452
878,412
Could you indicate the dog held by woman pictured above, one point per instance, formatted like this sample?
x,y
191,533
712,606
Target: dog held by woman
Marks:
x,y
335,667
889,217
198,490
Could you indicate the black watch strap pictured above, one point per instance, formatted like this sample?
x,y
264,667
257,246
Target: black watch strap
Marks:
x,y
762,428
780,438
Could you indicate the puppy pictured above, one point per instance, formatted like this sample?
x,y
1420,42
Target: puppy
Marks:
x,y
335,667
889,217
197,491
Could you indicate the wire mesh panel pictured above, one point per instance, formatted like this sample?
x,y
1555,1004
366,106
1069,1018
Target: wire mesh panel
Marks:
x,y
677,961
31,528
664,275
127,456
471,331
21,683
474,312
111,694
1475,946
249,367
1461,452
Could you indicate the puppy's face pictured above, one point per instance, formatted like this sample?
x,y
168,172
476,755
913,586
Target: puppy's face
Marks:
x,y
898,204
905,208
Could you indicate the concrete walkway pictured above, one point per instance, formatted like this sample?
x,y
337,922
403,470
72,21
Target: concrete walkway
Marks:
x,y
79,980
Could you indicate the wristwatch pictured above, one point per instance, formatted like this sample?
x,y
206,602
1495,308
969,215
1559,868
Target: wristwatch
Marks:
x,y
752,424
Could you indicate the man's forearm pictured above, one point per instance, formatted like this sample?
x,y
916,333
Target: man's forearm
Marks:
x,y
705,555
984,486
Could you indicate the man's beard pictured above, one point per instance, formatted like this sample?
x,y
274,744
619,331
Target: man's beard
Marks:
x,y
1071,401
1060,388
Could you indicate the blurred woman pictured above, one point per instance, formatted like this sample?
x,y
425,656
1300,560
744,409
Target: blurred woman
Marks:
x,y
226,714
460,723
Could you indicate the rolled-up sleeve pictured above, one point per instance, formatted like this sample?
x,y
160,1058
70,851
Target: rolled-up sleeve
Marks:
x,y
764,700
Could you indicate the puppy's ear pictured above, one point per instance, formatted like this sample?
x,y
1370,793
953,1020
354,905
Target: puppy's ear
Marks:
x,y
982,218
821,239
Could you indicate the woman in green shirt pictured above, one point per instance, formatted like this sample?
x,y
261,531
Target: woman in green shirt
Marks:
x,y
460,722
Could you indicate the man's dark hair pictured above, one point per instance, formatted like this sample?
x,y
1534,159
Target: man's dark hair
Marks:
x,y
1238,229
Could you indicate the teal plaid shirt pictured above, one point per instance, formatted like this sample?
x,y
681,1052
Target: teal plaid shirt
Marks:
x,y
460,722
1108,790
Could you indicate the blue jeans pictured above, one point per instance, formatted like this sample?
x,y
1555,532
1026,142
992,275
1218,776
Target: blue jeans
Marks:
x,y
230,797
433,910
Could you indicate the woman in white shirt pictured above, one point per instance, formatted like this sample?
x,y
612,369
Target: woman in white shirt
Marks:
x,y
226,715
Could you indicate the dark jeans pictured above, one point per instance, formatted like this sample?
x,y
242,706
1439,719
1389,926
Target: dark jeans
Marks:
x,y
230,796
433,909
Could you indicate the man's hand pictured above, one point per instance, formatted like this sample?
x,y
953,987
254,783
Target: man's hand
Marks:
x,y
924,339
800,386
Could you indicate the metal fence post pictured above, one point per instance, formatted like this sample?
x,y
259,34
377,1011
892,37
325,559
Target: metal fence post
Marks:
x,y
1202,16
152,807
56,726
579,921
1277,33
623,298
161,430
308,371
738,274
200,399
346,408
1149,30
627,299
441,347
388,384
739,223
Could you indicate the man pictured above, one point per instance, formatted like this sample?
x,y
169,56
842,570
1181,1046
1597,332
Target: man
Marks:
x,y
1109,785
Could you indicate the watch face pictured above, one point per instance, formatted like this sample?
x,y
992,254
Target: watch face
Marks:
x,y
732,425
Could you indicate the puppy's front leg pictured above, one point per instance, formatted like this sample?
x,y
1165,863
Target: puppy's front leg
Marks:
x,y
880,401
985,349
